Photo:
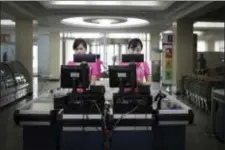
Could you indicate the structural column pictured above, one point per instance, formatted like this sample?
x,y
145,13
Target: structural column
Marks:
x,y
154,43
24,45
54,55
155,57
183,51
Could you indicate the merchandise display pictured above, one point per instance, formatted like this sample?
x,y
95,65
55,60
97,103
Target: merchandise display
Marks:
x,y
15,82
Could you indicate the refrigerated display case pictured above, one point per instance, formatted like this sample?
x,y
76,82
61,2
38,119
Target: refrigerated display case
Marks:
x,y
15,82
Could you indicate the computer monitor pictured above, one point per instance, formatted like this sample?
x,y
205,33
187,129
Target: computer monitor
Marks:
x,y
84,58
123,76
97,56
132,58
75,76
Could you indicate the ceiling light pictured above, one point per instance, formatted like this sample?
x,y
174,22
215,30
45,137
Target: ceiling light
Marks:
x,y
108,3
195,32
198,32
209,25
83,35
122,35
7,22
105,23
167,31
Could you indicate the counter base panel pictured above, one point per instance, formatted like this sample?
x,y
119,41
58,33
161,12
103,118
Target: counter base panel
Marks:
x,y
132,140
81,140
169,137
41,138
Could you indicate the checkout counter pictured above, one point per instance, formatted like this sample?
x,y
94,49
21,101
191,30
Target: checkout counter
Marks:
x,y
172,119
57,123
218,113
40,130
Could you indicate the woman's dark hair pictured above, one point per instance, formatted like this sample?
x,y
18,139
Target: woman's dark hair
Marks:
x,y
79,41
133,43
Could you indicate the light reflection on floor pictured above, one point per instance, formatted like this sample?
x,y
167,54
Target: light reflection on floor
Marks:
x,y
35,87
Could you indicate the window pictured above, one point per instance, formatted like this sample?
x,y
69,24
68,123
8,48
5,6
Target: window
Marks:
x,y
219,46
201,46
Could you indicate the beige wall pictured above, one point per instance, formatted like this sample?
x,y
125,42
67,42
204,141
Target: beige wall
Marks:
x,y
24,44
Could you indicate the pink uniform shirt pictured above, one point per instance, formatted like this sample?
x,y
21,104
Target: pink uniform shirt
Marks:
x,y
142,71
98,67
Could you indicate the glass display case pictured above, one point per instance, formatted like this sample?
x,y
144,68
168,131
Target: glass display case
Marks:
x,y
15,82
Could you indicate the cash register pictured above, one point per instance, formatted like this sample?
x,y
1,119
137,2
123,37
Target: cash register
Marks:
x,y
132,119
83,118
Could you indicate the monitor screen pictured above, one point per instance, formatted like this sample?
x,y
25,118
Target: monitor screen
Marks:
x,y
132,58
125,75
84,58
74,76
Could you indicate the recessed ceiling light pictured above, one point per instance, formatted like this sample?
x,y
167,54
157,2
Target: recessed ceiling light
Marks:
x,y
8,22
108,3
195,32
167,31
121,35
103,22
198,32
209,25
83,35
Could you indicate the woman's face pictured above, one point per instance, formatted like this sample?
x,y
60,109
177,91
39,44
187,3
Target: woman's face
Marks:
x,y
80,49
136,50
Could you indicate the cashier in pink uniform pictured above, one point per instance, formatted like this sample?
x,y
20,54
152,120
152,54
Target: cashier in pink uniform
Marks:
x,y
80,47
98,66
142,69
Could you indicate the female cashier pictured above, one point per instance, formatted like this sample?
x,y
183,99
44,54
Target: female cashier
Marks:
x,y
80,47
143,72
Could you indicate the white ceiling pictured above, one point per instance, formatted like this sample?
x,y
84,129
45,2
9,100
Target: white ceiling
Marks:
x,y
112,5
49,16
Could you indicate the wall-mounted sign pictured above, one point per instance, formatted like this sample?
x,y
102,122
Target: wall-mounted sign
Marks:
x,y
167,61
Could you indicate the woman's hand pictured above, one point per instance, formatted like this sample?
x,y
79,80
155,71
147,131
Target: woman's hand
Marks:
x,y
147,83
139,82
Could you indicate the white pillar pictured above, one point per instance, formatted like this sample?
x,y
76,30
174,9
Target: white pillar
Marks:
x,y
154,56
154,43
43,55
24,45
182,50
54,57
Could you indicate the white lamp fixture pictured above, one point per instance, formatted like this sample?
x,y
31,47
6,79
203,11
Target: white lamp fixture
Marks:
x,y
103,22
83,35
195,32
208,25
7,22
108,3
121,35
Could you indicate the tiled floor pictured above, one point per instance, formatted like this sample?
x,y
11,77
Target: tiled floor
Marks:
x,y
11,135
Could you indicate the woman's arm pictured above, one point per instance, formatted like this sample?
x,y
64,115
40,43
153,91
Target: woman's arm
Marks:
x,y
147,73
94,73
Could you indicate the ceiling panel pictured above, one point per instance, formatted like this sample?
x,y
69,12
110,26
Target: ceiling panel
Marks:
x,y
114,5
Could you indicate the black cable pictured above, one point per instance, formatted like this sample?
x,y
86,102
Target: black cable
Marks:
x,y
132,110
